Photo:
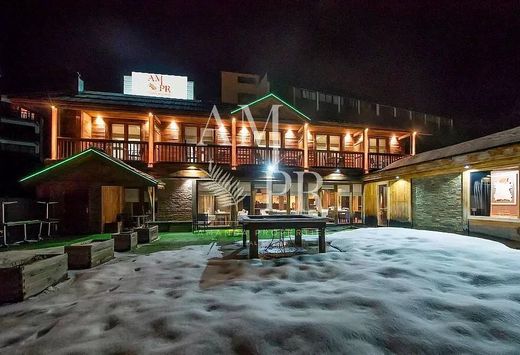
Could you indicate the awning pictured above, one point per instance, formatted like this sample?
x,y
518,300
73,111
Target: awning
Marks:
x,y
92,166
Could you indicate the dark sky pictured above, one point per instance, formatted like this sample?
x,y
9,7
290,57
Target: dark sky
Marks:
x,y
460,59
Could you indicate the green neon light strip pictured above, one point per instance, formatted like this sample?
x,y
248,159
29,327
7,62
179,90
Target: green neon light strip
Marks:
x,y
79,155
267,96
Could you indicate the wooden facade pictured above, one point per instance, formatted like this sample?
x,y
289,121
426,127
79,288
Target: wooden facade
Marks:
x,y
502,221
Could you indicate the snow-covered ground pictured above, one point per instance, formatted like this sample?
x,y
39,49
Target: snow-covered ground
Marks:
x,y
391,290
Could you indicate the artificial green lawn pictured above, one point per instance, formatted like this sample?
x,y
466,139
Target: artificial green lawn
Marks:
x,y
166,241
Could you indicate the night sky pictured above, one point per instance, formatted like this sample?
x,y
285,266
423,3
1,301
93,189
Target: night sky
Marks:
x,y
460,59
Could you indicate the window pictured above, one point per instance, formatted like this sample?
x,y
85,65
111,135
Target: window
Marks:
x,y
275,140
377,145
494,193
321,142
134,132
190,135
260,140
208,136
246,79
334,142
118,132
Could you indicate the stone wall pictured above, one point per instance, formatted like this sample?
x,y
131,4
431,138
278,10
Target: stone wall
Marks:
x,y
174,202
437,202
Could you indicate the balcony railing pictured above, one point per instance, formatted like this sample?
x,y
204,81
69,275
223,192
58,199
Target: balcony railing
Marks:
x,y
382,160
263,155
192,153
328,159
169,152
124,150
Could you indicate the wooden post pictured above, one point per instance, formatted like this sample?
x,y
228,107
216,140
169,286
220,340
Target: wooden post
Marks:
x,y
412,145
244,238
54,132
306,146
321,240
233,143
253,244
366,166
151,133
298,237
153,203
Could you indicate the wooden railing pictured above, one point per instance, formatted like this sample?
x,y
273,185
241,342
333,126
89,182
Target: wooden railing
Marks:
x,y
263,155
124,150
192,153
382,160
328,159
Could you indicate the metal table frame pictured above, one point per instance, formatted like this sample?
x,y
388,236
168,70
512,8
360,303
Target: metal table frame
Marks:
x,y
253,224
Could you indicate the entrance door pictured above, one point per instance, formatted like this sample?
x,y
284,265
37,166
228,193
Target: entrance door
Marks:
x,y
75,218
382,206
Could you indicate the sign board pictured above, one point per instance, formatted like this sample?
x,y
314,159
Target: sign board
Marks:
x,y
159,85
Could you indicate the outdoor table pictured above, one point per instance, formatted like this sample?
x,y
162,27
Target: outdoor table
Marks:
x,y
297,222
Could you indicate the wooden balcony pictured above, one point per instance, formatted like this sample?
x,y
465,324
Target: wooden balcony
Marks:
x,y
168,152
382,160
329,159
191,153
262,155
124,150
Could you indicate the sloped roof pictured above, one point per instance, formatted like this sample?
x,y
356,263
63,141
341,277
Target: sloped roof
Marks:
x,y
269,97
510,136
118,100
78,163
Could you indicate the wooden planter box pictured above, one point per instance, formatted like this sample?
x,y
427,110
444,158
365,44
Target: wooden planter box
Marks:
x,y
147,234
89,254
31,276
124,241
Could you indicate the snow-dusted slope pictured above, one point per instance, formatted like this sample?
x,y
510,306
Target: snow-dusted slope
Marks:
x,y
392,290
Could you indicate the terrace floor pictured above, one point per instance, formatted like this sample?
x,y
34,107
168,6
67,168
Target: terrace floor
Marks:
x,y
384,290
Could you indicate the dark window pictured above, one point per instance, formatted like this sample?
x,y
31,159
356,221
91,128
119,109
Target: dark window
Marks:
x,y
246,80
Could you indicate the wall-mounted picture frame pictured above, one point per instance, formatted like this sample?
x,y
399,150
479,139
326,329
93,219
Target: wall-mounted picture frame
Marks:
x,y
504,187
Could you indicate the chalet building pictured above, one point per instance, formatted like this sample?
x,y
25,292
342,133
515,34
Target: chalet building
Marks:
x,y
20,144
471,187
159,132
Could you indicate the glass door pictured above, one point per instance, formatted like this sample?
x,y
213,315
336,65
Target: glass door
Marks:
x,y
118,134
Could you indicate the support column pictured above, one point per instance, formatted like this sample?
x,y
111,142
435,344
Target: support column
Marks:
x,y
151,136
233,143
306,146
298,238
366,166
412,143
321,241
253,244
54,132
153,203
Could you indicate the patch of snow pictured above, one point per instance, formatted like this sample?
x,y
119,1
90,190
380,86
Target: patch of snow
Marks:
x,y
392,291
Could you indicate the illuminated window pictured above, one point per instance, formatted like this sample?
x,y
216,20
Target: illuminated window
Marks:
x,y
118,132
190,135
334,142
275,140
208,136
377,145
321,142
260,140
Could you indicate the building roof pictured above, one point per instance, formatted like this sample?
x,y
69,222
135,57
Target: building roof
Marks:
x,y
80,167
117,100
499,139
